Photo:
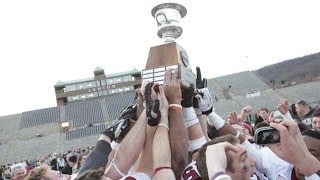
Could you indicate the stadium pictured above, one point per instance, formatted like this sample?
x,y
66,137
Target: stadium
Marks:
x,y
38,133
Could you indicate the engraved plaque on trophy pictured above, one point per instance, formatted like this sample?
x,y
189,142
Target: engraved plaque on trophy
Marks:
x,y
169,55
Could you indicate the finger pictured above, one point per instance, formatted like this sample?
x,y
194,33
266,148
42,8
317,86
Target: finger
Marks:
x,y
174,75
205,82
198,73
153,91
229,147
167,77
161,90
284,133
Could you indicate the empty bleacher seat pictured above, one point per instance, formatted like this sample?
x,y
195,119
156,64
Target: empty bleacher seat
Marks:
x,y
40,117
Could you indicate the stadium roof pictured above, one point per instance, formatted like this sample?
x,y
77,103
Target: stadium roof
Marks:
x,y
98,69
63,83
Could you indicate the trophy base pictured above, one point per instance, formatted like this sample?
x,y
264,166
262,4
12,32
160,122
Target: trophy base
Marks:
x,y
166,57
188,78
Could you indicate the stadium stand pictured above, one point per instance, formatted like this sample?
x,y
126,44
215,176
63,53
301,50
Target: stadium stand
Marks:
x,y
268,99
18,132
306,91
86,131
215,89
115,104
79,114
39,117
223,107
241,83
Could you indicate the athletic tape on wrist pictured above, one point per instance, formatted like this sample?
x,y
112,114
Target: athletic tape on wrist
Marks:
x,y
215,120
114,145
190,117
196,143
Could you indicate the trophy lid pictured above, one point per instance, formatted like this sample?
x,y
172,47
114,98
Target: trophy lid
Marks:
x,y
182,10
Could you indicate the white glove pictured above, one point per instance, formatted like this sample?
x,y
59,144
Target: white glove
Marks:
x,y
204,100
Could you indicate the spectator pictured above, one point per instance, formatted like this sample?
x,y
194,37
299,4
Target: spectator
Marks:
x,y
264,114
304,112
44,173
54,163
71,162
316,120
18,172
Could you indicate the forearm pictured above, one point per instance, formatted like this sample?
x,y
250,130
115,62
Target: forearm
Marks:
x,y
145,160
309,165
129,149
178,141
203,123
223,127
98,157
161,146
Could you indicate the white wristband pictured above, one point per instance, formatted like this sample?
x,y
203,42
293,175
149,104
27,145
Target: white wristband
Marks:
x,y
215,120
196,143
190,117
114,145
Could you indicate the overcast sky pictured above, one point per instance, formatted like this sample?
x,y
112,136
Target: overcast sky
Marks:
x,y
43,41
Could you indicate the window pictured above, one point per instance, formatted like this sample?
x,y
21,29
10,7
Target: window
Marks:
x,y
119,80
109,81
71,87
126,78
103,82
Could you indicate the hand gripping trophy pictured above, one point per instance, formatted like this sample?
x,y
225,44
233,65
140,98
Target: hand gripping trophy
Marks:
x,y
168,55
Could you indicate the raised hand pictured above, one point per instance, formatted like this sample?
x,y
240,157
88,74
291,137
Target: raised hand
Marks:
x,y
152,105
172,87
204,100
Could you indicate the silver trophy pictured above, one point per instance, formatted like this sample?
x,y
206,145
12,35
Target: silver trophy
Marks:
x,y
168,17
168,55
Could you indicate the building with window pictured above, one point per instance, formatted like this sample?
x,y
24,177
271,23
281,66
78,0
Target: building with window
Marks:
x,y
97,86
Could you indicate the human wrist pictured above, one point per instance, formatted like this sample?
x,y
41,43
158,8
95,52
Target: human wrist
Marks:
x,y
215,120
309,165
164,112
174,100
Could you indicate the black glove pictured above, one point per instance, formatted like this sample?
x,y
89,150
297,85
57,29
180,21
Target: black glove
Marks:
x,y
200,84
117,130
152,107
187,97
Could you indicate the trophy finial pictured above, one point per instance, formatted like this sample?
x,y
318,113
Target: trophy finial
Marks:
x,y
168,16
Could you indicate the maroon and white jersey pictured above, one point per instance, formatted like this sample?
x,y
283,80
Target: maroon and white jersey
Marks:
x,y
191,172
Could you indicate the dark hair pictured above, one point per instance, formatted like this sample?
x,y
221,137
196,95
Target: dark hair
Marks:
x,y
303,127
264,109
201,158
316,113
261,124
95,174
302,103
73,158
312,133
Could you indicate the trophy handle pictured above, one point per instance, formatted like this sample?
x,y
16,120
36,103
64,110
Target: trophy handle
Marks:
x,y
163,15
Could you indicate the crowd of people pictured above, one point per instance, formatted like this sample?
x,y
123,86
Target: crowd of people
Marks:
x,y
172,132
